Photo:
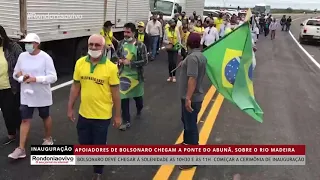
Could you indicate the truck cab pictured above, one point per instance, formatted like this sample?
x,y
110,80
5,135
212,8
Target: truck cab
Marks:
x,y
167,7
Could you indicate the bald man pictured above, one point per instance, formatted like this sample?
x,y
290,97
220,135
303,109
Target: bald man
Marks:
x,y
96,81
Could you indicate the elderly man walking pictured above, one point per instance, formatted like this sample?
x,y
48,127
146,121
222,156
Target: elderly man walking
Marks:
x,y
96,81
193,70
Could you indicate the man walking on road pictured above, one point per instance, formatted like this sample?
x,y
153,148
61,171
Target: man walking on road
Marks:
x,y
35,71
288,23
96,81
273,28
210,35
132,56
107,33
193,70
154,30
283,22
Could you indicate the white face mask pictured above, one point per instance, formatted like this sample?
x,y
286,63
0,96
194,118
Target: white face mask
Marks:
x,y
94,54
29,48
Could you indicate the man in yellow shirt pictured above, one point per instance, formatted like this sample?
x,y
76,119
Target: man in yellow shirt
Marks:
x,y
142,36
107,33
184,38
96,81
218,22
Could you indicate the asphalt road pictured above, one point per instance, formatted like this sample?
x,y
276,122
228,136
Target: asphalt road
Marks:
x,y
286,87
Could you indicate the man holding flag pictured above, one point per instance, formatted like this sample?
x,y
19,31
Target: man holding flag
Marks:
x,y
193,69
132,56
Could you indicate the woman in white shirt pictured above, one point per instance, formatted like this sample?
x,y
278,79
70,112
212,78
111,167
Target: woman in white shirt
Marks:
x,y
35,71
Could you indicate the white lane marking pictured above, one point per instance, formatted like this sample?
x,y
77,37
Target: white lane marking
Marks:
x,y
61,85
304,50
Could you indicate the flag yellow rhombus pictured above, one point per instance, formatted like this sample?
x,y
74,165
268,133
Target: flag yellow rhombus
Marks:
x,y
127,84
248,16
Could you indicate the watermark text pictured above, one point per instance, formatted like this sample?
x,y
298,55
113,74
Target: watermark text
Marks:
x,y
46,16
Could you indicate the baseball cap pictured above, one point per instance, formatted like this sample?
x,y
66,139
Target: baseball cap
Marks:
x,y
141,24
108,23
171,21
31,37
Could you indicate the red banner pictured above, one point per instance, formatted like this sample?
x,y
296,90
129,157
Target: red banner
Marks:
x,y
189,150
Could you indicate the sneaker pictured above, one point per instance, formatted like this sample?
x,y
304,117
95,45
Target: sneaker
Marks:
x,y
185,167
96,176
17,154
7,140
47,141
124,127
169,79
174,80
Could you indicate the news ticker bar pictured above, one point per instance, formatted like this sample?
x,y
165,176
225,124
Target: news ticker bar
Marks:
x,y
166,160
169,150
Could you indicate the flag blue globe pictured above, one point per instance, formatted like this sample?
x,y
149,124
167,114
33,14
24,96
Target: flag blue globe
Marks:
x,y
125,83
231,70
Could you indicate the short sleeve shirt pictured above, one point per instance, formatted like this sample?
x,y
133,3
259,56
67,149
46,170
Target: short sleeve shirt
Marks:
x,y
96,81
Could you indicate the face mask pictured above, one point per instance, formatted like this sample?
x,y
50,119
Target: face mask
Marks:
x,y
29,48
128,39
95,54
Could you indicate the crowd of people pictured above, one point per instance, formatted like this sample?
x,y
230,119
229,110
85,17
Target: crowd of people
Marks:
x,y
108,77
267,24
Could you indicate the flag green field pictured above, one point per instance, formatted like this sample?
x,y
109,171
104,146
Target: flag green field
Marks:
x,y
230,70
129,79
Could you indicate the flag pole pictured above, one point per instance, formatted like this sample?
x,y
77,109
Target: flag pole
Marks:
x,y
248,16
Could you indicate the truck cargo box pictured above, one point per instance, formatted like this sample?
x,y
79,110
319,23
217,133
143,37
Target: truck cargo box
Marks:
x,y
65,19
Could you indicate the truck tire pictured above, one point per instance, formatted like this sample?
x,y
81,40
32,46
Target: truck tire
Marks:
x,y
82,48
301,40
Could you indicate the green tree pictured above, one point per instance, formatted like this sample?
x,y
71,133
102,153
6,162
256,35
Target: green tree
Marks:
x,y
289,10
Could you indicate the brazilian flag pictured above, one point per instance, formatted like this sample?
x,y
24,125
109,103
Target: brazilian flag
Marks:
x,y
129,82
230,70
177,47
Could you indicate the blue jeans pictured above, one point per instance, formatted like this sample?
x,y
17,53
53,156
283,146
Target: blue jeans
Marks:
x,y
189,120
93,131
154,45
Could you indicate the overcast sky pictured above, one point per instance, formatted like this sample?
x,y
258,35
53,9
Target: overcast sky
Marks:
x,y
296,4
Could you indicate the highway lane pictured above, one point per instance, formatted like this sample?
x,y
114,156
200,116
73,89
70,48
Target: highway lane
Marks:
x,y
312,48
287,88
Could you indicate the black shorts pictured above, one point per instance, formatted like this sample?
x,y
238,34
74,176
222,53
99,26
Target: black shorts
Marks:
x,y
27,112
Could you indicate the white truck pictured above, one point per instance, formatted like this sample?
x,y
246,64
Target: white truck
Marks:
x,y
169,7
262,8
65,25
